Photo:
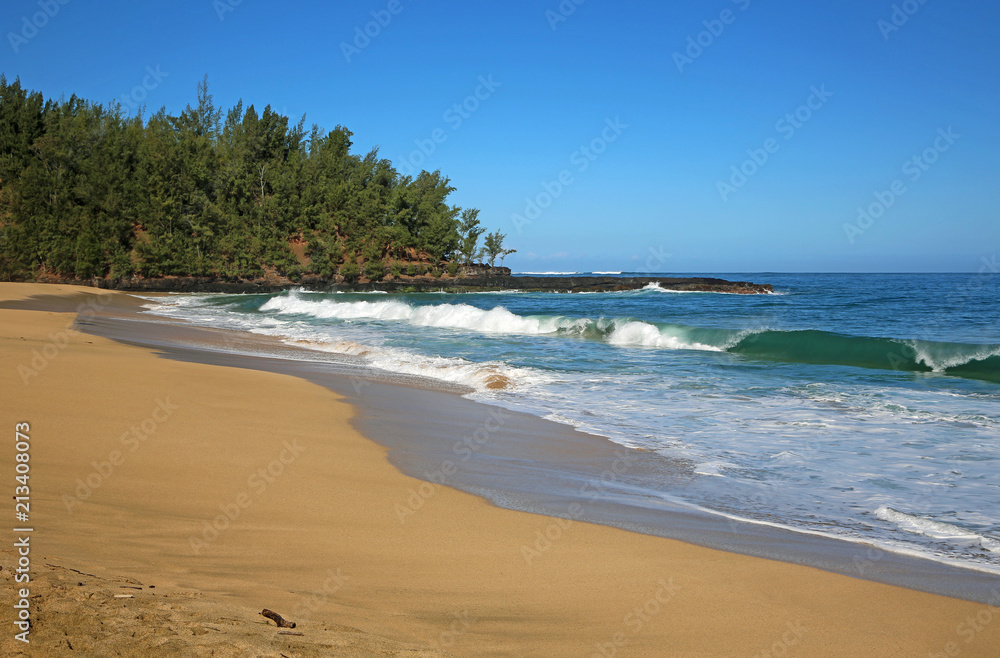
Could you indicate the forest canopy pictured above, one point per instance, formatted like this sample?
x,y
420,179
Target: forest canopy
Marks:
x,y
88,191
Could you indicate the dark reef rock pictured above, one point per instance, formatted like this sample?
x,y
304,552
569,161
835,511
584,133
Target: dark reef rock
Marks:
x,y
560,284
493,280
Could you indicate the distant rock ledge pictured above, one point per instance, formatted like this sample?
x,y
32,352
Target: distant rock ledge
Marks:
x,y
492,282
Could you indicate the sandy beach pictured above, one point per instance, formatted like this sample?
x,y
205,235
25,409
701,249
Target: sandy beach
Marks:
x,y
200,495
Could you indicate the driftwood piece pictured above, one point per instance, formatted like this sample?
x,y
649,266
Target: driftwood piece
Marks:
x,y
277,619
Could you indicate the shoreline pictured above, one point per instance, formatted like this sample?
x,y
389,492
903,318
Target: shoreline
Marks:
x,y
482,449
458,555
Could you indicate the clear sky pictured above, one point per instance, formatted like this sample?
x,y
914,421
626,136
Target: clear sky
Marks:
x,y
605,135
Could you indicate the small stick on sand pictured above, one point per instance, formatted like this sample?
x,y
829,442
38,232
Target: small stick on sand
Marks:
x,y
277,619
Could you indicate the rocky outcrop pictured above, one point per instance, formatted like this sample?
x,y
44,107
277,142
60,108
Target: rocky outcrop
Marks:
x,y
480,270
561,284
486,279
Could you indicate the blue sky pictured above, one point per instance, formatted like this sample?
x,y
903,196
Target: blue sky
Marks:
x,y
647,113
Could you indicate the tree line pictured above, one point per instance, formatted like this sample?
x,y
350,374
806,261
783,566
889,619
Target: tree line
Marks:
x,y
89,191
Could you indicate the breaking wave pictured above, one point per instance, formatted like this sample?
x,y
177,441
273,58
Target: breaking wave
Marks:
x,y
800,346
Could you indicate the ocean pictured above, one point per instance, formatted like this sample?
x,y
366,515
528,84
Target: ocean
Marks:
x,y
864,407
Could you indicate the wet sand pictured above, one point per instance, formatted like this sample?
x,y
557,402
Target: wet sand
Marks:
x,y
135,457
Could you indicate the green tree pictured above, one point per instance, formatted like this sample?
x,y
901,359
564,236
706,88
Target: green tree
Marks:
x,y
469,231
350,271
494,248
374,270
88,191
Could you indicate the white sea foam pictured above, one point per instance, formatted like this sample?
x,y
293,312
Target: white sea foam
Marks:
x,y
497,320
643,334
492,375
479,376
654,286
173,301
712,468
941,356
921,525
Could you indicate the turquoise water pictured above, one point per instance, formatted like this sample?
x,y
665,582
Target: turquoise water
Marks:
x,y
861,406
